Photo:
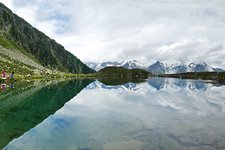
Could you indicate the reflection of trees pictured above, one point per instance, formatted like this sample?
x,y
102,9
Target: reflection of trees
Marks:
x,y
24,110
157,83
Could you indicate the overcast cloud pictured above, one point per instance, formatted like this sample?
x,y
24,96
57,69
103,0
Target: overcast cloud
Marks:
x,y
171,31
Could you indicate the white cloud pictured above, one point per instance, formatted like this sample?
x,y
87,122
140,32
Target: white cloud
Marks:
x,y
146,30
7,3
199,50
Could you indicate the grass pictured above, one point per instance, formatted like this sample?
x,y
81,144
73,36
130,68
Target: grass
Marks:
x,y
9,44
54,76
13,65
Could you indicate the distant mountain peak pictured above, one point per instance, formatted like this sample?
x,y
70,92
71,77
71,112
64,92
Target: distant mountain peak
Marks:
x,y
158,67
131,64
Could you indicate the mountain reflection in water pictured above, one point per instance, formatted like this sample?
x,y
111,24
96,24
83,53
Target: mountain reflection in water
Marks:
x,y
160,113
30,103
158,84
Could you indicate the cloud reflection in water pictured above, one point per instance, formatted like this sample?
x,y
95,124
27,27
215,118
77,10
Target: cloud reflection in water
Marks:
x,y
157,114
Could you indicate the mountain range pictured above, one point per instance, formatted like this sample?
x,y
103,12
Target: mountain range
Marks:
x,y
126,64
25,49
158,67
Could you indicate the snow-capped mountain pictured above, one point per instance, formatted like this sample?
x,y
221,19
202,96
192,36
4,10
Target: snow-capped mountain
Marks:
x,y
199,67
177,69
133,64
192,67
217,70
158,67
99,66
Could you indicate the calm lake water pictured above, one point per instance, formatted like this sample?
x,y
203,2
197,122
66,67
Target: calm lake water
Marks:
x,y
158,114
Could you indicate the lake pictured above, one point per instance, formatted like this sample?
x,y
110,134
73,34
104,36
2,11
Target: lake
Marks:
x,y
158,114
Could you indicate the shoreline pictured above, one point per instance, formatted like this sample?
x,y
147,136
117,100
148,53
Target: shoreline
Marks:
x,y
49,76
216,77
212,77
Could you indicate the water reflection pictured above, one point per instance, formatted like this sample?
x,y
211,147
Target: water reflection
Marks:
x,y
165,114
158,84
162,83
29,103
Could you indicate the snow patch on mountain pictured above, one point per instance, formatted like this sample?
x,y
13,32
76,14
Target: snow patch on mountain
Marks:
x,y
133,64
158,67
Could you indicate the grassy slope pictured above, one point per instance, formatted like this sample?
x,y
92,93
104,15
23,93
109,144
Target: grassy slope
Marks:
x,y
16,63
40,47
31,68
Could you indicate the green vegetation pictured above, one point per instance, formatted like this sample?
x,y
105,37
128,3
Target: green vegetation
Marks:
x,y
120,75
215,76
29,103
123,72
17,34
55,76
9,44
16,66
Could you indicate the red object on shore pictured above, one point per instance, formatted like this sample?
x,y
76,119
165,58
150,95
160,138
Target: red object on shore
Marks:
x,y
3,74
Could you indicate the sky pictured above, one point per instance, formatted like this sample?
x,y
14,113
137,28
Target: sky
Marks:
x,y
171,31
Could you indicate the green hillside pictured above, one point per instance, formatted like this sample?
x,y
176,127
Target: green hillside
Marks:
x,y
20,43
214,76
123,72
120,75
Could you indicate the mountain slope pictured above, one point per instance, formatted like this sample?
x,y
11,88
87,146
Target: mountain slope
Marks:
x,y
133,64
157,68
99,66
36,45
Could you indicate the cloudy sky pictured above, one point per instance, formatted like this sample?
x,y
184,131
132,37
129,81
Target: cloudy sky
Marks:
x,y
171,31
